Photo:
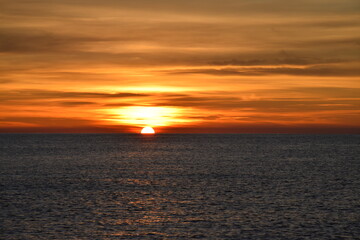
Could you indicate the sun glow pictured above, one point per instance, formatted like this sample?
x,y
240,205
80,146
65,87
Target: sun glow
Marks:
x,y
147,130
147,116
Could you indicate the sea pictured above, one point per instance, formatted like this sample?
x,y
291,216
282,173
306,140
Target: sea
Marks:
x,y
179,186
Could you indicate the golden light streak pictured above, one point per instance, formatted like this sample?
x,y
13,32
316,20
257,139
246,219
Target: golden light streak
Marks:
x,y
145,116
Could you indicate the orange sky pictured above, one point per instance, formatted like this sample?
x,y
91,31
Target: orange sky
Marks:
x,y
229,66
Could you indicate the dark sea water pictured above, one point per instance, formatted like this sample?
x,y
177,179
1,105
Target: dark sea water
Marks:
x,y
183,186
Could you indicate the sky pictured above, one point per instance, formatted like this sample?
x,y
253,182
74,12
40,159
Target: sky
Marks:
x,y
199,66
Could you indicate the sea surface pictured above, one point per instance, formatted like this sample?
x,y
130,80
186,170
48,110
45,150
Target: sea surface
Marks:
x,y
179,186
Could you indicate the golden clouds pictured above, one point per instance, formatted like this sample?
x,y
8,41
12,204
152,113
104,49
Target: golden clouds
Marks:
x,y
143,116
217,63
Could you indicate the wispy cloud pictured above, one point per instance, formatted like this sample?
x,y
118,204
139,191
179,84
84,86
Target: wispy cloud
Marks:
x,y
34,94
332,71
225,64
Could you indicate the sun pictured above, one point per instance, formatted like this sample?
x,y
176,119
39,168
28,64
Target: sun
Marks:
x,y
147,130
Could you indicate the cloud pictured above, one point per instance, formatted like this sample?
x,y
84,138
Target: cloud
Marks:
x,y
33,40
5,81
327,92
35,94
143,33
267,105
206,118
208,7
56,125
320,71
25,41
256,61
314,99
262,128
75,104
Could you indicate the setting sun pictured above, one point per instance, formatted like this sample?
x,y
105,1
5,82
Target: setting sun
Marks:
x,y
147,130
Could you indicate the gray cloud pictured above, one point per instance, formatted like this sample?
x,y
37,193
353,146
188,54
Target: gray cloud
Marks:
x,y
56,125
308,71
33,94
5,81
75,104
25,40
228,7
268,105
206,118
332,92
315,99
76,28
100,44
